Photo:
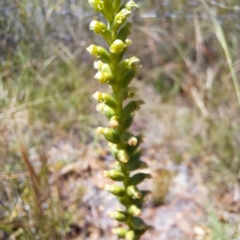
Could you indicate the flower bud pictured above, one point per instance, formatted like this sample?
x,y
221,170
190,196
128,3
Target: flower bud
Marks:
x,y
114,122
119,215
115,175
117,46
134,210
128,42
120,232
115,190
111,135
129,138
105,98
106,110
139,177
114,150
133,192
130,235
93,50
123,156
97,5
99,52
109,100
100,107
124,32
99,130
132,141
132,149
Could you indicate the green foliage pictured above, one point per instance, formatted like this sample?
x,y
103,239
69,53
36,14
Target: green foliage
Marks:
x,y
216,226
118,72
31,208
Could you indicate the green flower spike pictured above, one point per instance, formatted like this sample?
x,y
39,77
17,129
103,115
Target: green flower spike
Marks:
x,y
118,72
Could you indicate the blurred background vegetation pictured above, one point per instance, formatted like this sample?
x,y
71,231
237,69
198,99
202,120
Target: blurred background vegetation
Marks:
x,y
190,60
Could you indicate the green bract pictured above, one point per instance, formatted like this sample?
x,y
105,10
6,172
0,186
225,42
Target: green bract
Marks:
x,y
118,72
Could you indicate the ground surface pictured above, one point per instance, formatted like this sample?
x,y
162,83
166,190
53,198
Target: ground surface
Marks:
x,y
179,206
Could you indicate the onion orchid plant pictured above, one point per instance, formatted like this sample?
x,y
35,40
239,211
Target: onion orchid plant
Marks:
x,y
114,69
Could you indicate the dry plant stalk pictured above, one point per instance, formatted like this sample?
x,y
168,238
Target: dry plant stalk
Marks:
x,y
118,72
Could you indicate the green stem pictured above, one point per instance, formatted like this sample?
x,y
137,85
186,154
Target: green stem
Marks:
x,y
116,91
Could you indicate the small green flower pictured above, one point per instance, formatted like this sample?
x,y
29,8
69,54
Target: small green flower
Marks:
x,y
117,46
104,75
129,5
98,64
128,42
133,192
105,98
111,135
105,109
98,27
130,62
99,52
122,16
97,5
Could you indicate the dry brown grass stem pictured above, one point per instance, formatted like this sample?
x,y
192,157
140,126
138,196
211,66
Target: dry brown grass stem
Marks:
x,y
34,179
